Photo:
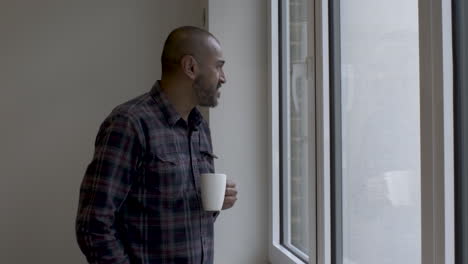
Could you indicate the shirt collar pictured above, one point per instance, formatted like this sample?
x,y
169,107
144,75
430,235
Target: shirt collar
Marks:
x,y
195,118
172,116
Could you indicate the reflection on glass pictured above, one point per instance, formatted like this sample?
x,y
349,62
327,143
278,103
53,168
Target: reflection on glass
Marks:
x,y
299,140
380,132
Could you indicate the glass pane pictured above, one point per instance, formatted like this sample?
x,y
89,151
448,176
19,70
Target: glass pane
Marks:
x,y
298,125
380,132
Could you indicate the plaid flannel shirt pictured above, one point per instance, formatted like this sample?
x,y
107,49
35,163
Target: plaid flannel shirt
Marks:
x,y
140,197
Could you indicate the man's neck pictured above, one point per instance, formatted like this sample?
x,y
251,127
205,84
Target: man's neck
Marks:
x,y
178,95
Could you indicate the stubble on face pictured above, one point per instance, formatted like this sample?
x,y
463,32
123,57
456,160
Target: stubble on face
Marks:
x,y
207,94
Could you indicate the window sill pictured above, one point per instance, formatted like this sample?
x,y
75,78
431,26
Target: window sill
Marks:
x,y
280,255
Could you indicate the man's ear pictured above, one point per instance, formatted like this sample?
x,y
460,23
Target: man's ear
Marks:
x,y
189,66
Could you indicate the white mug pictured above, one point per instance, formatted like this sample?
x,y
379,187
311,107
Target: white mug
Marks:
x,y
213,188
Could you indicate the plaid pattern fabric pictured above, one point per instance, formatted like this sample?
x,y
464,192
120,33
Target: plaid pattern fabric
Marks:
x,y
140,197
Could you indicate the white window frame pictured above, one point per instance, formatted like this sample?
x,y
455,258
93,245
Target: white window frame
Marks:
x,y
277,252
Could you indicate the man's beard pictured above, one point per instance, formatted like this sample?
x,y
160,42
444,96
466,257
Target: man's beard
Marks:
x,y
207,96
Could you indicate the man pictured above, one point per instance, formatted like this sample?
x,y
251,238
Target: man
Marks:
x,y
140,197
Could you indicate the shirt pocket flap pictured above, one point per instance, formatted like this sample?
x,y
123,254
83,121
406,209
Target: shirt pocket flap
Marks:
x,y
165,176
171,158
208,153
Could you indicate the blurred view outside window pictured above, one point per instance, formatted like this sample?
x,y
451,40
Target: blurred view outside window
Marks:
x,y
296,126
380,132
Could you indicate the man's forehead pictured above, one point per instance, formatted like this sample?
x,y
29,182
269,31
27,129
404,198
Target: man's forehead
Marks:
x,y
217,55
212,51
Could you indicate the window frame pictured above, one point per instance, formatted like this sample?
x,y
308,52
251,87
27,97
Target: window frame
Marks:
x,y
285,136
460,37
437,132
279,253
436,99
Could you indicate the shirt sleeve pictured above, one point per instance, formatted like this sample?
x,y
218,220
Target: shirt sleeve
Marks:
x,y
104,188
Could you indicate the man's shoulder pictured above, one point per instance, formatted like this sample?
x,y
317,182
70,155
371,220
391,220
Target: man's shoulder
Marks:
x,y
140,107
136,114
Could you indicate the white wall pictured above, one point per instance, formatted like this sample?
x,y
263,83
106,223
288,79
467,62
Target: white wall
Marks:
x,y
63,66
239,129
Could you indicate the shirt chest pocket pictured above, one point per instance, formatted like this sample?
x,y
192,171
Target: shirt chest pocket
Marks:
x,y
165,175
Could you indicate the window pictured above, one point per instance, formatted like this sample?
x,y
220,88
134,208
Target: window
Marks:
x,y
296,140
361,132
296,93
293,132
377,132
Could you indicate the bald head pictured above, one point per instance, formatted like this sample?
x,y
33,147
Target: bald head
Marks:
x,y
183,41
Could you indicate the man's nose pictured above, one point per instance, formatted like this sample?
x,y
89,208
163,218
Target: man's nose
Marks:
x,y
222,77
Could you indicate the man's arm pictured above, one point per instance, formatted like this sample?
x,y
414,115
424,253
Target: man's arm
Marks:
x,y
105,186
